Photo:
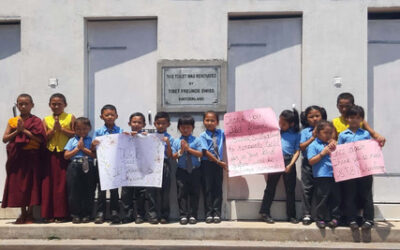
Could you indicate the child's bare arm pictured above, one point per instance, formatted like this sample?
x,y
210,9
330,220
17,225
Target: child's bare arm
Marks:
x,y
68,154
305,144
319,156
212,158
293,161
89,152
169,149
194,152
32,136
69,131
8,135
374,134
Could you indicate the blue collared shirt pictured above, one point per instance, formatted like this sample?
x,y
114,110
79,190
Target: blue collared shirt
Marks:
x,y
305,135
171,142
207,140
195,143
323,168
73,143
349,136
290,141
106,131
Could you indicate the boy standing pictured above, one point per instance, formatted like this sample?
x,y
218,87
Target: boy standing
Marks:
x,y
108,115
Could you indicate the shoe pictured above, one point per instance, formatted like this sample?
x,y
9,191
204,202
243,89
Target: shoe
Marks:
x,y
333,223
209,219
321,224
99,220
153,221
353,225
126,220
183,221
217,219
60,220
192,220
76,220
139,220
367,225
307,220
163,221
267,218
293,220
85,219
115,217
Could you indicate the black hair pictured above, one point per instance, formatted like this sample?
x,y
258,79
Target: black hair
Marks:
x,y
355,110
346,96
304,114
322,124
211,112
186,120
83,120
161,115
137,114
291,116
108,106
58,95
25,95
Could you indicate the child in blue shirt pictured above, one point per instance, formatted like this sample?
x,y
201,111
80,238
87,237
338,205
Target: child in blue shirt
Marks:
x,y
361,187
159,197
137,122
327,191
81,172
309,119
108,115
188,149
290,139
212,165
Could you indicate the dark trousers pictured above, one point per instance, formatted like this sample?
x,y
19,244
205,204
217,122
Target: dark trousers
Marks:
x,y
158,198
102,201
307,181
81,188
360,190
188,185
212,176
327,196
289,179
129,196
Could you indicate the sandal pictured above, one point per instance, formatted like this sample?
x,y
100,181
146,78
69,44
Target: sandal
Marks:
x,y
29,219
20,220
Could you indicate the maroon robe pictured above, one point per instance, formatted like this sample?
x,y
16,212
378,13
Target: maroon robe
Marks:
x,y
24,167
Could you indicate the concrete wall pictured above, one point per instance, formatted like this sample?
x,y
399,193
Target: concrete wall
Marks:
x,y
53,44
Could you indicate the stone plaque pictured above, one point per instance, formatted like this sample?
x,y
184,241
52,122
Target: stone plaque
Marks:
x,y
192,86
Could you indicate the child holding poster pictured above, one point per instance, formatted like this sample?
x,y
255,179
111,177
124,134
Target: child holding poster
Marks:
x,y
137,122
360,186
59,128
25,137
81,172
212,165
327,191
162,122
343,103
108,115
188,149
309,119
290,139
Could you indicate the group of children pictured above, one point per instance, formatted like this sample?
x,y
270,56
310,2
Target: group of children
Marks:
x,y
324,200
52,163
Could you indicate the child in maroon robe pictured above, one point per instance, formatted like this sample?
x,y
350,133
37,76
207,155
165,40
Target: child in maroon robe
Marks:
x,y
25,135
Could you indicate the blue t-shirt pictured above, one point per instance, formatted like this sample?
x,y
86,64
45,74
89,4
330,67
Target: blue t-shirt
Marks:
x,y
305,135
73,143
195,143
349,136
323,168
105,131
207,140
171,141
290,141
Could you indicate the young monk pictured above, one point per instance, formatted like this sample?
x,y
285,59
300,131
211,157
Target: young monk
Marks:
x,y
25,135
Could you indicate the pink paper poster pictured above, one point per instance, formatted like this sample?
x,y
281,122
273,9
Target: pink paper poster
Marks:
x,y
253,142
357,159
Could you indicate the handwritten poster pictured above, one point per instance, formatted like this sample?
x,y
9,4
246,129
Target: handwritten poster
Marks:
x,y
126,160
253,142
357,159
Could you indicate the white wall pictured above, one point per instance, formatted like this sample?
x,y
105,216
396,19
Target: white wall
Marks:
x,y
53,43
